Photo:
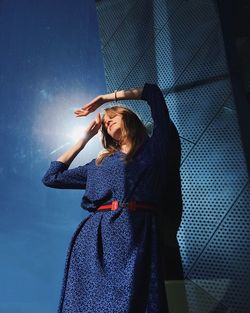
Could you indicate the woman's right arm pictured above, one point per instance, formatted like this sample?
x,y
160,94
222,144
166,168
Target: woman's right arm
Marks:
x,y
89,132
59,176
68,156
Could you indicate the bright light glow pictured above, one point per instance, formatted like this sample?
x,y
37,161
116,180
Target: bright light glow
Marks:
x,y
56,129
76,133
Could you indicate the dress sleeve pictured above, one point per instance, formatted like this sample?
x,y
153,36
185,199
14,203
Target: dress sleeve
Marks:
x,y
59,176
159,111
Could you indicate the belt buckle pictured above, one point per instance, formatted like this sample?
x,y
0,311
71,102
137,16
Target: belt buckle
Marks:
x,y
115,205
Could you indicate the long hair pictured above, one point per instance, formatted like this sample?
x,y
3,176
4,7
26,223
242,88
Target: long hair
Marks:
x,y
132,128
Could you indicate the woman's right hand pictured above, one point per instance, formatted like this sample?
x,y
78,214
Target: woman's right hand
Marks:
x,y
93,128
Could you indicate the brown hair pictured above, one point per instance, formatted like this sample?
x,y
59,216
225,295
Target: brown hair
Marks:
x,y
132,128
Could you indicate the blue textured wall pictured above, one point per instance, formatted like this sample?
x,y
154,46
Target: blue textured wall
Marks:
x,y
178,45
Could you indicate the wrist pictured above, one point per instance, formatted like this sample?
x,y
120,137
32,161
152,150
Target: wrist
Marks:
x,y
108,97
81,143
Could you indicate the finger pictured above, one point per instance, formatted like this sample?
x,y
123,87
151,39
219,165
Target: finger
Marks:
x,y
87,107
77,112
84,109
97,118
78,115
81,113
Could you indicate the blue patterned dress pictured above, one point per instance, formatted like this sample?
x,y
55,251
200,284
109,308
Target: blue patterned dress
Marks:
x,y
114,262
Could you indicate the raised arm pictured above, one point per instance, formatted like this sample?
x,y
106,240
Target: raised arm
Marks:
x,y
159,110
59,176
133,93
155,99
68,156
129,94
150,93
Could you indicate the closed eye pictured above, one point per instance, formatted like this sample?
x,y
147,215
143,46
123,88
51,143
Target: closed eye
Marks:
x,y
108,122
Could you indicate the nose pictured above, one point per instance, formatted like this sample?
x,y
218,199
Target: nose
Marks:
x,y
107,122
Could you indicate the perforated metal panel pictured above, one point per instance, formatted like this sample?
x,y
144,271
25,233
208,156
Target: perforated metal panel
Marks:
x,y
179,46
212,178
227,271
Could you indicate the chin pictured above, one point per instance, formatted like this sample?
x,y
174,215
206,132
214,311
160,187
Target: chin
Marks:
x,y
115,133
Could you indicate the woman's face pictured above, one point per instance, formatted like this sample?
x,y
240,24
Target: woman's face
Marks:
x,y
113,124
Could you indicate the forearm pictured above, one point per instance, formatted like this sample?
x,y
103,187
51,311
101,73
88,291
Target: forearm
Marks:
x,y
68,156
129,94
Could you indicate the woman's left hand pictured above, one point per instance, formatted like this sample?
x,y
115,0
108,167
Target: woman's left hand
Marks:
x,y
90,107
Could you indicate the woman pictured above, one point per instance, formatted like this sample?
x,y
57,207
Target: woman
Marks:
x,y
114,262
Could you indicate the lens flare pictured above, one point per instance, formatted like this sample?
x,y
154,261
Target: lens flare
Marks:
x,y
76,133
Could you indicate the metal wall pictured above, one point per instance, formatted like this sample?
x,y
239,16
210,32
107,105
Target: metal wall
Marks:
x,y
178,45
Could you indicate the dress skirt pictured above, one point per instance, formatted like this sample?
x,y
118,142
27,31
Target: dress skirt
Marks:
x,y
114,265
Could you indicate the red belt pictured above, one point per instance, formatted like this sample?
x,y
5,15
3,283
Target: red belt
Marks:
x,y
132,205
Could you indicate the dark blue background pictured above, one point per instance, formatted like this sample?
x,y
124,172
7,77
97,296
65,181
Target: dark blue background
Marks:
x,y
51,63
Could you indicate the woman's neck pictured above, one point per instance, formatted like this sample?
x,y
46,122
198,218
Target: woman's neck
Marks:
x,y
125,146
